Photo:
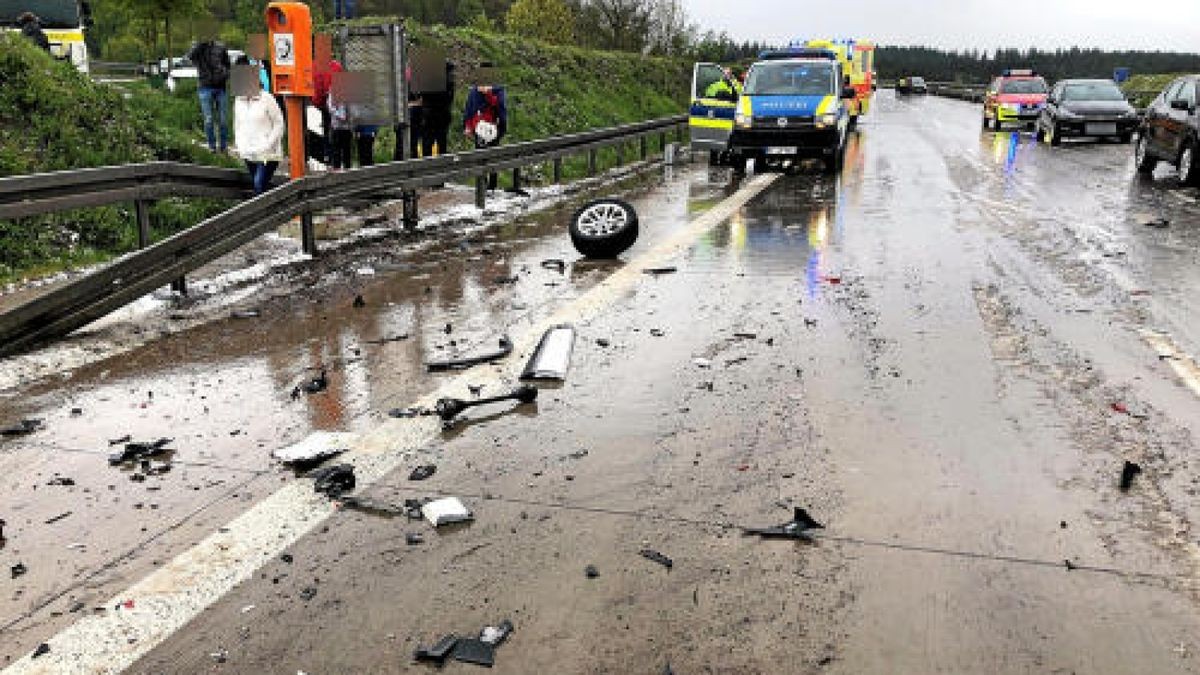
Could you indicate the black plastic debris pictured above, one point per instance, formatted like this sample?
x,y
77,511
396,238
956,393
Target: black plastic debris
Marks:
x,y
1158,222
61,481
42,650
657,557
449,408
591,571
438,652
136,451
552,358
478,652
409,413
385,340
656,271
245,314
657,332
117,441
18,570
746,336
1069,565
601,342
797,528
1128,473
422,472
555,264
333,481
475,389
414,539
316,385
23,428
308,593
59,517
359,303
505,348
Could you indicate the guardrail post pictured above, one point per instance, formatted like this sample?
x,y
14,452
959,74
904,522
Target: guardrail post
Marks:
x,y
679,134
620,154
308,234
411,219
662,142
557,170
592,162
180,285
481,183
643,147
143,222
516,179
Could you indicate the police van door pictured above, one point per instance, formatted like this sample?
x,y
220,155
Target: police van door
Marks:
x,y
710,119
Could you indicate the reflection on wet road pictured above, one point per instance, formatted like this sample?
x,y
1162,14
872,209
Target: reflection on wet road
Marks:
x,y
925,350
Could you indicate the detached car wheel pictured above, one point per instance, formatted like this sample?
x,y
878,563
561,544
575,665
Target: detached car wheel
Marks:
x,y
1141,156
604,228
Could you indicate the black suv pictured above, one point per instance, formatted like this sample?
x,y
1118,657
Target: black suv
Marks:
x,y
1080,108
1170,131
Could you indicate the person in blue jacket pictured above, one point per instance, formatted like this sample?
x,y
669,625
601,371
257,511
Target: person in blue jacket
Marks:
x,y
485,120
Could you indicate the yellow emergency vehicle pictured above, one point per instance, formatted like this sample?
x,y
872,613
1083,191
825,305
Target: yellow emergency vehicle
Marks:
x,y
858,66
63,21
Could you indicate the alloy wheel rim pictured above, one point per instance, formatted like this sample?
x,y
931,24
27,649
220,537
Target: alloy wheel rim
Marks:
x,y
602,219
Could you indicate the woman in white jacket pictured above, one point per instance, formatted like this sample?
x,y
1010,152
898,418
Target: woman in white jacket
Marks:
x,y
258,134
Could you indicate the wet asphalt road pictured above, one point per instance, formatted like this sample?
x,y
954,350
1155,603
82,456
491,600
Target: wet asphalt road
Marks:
x,y
925,353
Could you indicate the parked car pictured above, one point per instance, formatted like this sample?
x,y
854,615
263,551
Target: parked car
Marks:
x,y
912,85
1083,108
1170,131
1017,96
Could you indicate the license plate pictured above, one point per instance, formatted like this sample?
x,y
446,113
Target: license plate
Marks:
x,y
1101,128
781,151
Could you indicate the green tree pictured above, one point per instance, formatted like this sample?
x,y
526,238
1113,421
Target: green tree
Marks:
x,y
547,20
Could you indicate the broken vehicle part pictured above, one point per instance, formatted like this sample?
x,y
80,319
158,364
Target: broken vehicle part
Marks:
x,y
449,408
333,481
657,557
796,528
423,472
552,358
656,271
496,635
604,228
591,571
555,264
1128,473
409,413
439,651
504,350
23,428
18,570
478,652
314,449
136,451
383,341
446,511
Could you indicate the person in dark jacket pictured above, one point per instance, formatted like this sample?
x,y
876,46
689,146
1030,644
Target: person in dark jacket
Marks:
x,y
31,27
212,64
485,120
436,107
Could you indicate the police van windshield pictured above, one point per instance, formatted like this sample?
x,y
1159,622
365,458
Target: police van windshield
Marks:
x,y
792,79
51,13
1030,86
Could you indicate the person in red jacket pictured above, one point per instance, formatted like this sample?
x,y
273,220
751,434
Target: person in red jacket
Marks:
x,y
485,120
322,81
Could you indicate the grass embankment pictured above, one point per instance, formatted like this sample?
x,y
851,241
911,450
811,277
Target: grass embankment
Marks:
x,y
53,118
1145,88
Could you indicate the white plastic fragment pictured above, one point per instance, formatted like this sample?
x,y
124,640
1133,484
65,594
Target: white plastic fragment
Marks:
x,y
446,511
315,447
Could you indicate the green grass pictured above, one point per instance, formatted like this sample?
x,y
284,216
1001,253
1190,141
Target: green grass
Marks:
x,y
1145,88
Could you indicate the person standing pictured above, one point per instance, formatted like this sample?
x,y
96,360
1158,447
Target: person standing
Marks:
x,y
31,27
343,9
258,128
437,107
340,124
485,120
322,81
212,63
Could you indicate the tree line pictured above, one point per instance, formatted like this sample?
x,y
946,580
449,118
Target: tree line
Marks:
x,y
942,65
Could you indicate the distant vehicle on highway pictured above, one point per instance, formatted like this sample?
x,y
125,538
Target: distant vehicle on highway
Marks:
x,y
1083,108
1015,97
912,85
1170,131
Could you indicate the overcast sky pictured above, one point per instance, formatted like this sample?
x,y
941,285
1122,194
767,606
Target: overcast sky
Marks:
x,y
1172,25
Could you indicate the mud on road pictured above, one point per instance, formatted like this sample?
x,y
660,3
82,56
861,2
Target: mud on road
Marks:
x,y
942,355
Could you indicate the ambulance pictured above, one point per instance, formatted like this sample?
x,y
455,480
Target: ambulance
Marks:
x,y
63,21
858,64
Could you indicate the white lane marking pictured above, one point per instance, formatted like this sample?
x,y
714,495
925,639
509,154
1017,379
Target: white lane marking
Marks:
x,y
1182,363
173,595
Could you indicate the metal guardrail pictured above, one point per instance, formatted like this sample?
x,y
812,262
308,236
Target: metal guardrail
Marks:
x,y
81,301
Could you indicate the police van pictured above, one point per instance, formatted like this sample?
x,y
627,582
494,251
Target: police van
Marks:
x,y
794,106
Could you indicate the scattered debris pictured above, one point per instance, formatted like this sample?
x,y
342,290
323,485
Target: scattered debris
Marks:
x,y
308,593
656,271
449,408
832,281
384,340
810,323
746,336
657,557
506,348
601,342
61,481
59,517
1128,473
314,449
496,635
446,511
1069,565
409,413
134,451
506,281
245,314
314,386
797,528
3,539
18,570
42,650
552,358
414,539
438,652
657,332
422,472
555,264
475,389
591,571
118,441
333,481
1158,222
359,303
604,228
702,363
23,428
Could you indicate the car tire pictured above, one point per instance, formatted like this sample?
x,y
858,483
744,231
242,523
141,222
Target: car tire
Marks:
x,y
714,158
1189,164
1142,158
1125,139
1055,135
604,228
1039,134
997,125
833,164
